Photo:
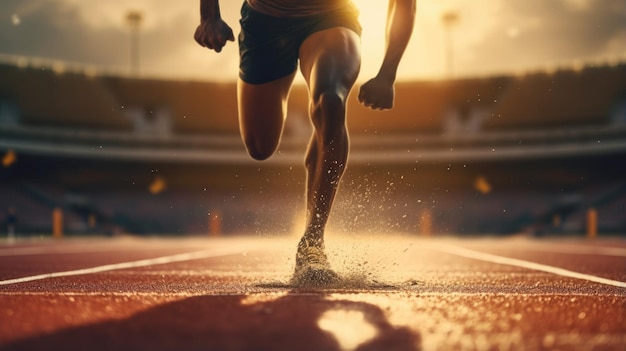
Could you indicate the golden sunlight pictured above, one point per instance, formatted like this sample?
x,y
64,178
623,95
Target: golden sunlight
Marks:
x,y
373,17
428,33
348,327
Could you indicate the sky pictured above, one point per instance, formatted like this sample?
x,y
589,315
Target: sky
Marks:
x,y
490,37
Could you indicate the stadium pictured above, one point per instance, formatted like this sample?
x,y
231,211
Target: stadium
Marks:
x,y
485,211
531,153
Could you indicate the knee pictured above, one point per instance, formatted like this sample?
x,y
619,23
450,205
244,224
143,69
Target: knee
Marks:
x,y
259,155
329,111
258,150
261,138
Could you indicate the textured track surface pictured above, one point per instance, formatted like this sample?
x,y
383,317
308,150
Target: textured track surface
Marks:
x,y
396,293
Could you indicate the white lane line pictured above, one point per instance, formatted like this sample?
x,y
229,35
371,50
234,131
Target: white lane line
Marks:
x,y
62,250
223,251
459,251
79,249
592,250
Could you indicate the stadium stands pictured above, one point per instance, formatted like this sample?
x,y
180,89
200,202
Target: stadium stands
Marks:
x,y
565,97
193,107
72,100
545,146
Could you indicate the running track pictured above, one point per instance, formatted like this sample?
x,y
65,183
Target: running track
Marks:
x,y
397,293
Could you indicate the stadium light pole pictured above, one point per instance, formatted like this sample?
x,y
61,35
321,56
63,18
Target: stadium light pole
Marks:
x,y
134,19
449,19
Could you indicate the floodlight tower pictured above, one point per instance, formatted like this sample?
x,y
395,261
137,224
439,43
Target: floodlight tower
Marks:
x,y
133,20
449,19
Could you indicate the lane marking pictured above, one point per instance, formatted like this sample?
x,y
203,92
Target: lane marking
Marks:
x,y
477,255
217,252
62,250
593,250
80,249
69,246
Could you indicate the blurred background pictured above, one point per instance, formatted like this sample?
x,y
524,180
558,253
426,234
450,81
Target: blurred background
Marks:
x,y
510,118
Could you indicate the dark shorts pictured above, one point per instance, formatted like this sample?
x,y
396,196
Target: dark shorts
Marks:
x,y
269,46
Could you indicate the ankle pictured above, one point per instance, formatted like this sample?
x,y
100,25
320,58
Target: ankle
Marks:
x,y
311,241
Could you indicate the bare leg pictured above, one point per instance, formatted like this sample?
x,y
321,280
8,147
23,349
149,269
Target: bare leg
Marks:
x,y
262,112
330,63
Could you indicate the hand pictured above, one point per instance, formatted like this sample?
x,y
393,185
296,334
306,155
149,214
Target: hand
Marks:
x,y
214,34
377,94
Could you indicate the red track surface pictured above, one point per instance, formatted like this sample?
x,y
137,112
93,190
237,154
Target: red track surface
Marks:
x,y
398,293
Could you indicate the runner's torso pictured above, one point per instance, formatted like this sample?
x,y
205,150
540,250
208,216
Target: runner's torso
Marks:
x,y
295,8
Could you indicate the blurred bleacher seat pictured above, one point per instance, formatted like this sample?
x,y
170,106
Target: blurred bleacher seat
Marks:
x,y
92,144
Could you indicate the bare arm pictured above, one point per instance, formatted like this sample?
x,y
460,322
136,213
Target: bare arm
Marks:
x,y
213,32
400,22
378,93
209,9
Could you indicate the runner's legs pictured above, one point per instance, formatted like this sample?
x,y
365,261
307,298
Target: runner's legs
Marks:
x,y
330,61
262,113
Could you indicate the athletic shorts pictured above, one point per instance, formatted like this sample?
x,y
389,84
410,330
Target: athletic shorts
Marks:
x,y
269,46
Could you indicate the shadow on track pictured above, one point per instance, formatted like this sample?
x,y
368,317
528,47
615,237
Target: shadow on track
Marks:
x,y
232,322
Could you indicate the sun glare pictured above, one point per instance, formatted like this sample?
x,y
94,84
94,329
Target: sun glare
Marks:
x,y
373,16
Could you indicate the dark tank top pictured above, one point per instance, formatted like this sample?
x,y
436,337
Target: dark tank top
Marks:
x,y
296,8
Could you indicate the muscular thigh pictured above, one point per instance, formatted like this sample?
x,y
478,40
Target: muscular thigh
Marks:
x,y
262,107
330,60
269,47
269,50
